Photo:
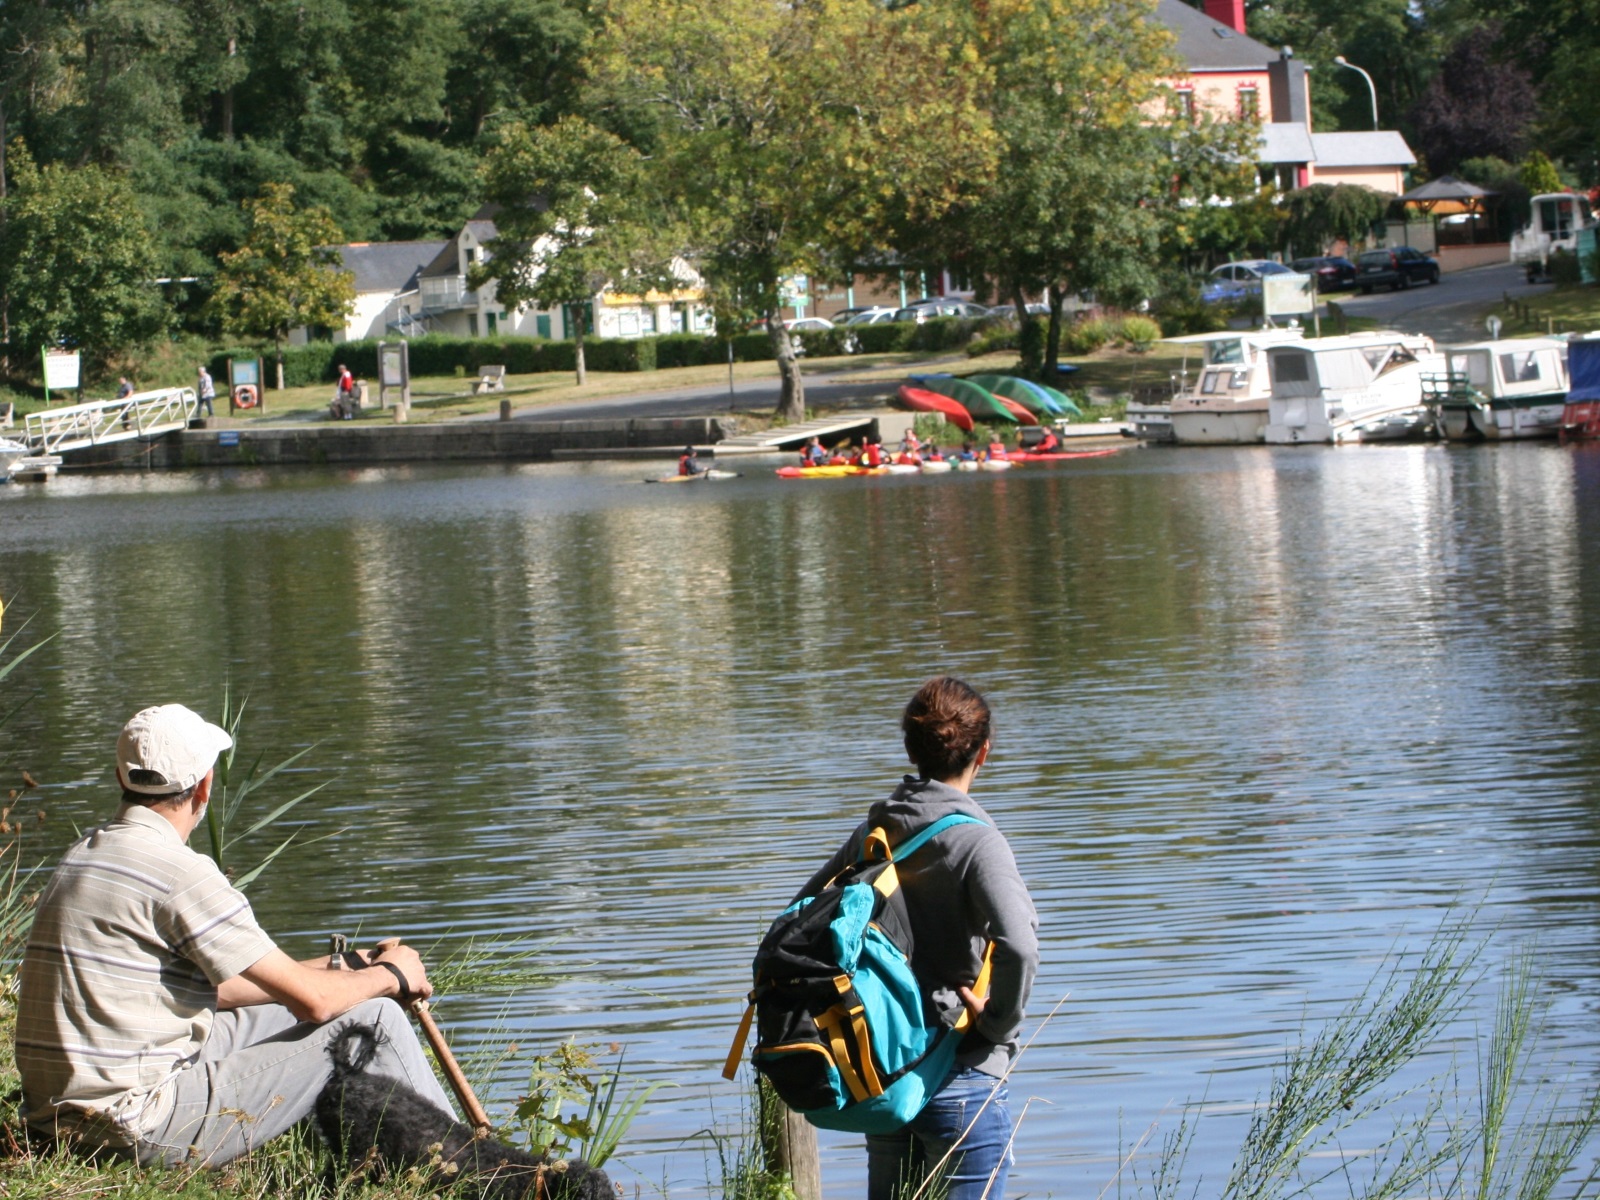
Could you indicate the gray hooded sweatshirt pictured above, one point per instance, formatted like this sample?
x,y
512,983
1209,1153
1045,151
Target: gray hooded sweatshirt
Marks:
x,y
962,891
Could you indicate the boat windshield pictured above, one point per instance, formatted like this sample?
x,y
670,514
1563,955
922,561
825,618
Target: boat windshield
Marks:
x,y
1228,350
1475,367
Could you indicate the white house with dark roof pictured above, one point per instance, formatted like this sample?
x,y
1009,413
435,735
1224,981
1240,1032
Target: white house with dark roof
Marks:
x,y
407,289
386,280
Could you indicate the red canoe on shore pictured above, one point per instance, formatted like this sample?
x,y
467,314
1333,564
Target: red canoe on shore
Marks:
x,y
922,400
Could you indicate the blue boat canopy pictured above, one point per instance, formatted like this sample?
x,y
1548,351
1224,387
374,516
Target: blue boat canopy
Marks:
x,y
1583,365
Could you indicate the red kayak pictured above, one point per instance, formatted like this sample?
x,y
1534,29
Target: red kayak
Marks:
x,y
1023,416
1022,456
922,400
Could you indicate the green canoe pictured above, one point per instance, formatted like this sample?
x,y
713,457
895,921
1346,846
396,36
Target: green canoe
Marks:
x,y
1030,395
978,401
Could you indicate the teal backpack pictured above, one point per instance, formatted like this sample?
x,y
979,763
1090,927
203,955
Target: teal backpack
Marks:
x,y
845,1034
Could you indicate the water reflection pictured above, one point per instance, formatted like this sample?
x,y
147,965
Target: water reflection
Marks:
x,y
1264,716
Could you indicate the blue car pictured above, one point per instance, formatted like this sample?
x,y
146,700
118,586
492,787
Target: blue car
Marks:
x,y
1236,281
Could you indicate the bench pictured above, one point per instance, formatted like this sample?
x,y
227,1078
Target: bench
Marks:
x,y
490,379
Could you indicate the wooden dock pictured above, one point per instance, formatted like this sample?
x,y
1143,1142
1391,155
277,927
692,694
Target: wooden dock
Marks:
x,y
792,437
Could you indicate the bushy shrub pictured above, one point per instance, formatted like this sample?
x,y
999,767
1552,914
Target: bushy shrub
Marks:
x,y
687,350
885,337
1563,268
821,343
942,333
1085,337
1001,335
752,347
1140,332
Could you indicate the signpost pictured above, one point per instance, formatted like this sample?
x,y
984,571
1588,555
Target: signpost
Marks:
x,y
61,370
394,371
1290,296
244,385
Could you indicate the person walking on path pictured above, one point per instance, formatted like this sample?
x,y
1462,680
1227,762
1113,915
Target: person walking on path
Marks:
x,y
205,393
963,894
156,1019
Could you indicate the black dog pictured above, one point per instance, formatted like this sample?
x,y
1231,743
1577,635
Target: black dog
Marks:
x,y
360,1113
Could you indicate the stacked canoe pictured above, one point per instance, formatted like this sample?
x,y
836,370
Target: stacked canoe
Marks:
x,y
992,399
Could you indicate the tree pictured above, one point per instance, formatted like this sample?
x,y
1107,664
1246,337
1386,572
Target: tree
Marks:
x,y
1086,166
1476,106
1325,212
75,262
789,134
572,220
1538,174
286,274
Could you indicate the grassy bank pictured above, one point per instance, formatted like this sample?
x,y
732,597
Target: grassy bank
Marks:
x,y
1569,308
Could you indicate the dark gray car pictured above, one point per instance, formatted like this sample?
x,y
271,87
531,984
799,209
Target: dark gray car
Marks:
x,y
1396,267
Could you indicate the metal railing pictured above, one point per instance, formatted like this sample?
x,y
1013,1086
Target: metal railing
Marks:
x,y
143,414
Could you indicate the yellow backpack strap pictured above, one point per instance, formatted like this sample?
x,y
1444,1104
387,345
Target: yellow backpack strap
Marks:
x,y
980,989
876,848
736,1052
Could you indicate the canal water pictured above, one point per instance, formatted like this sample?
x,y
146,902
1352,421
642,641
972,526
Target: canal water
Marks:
x,y
1266,718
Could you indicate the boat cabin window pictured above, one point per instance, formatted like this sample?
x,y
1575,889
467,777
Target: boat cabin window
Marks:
x,y
1520,366
1473,367
1292,368
1224,380
1229,351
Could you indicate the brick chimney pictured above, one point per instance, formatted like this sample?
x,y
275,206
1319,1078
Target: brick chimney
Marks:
x,y
1229,12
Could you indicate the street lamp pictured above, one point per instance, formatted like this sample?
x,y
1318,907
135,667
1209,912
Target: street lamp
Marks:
x,y
1371,87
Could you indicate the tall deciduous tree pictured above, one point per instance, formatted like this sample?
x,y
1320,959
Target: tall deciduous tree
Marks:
x,y
572,219
1077,96
287,273
1324,212
74,262
789,129
1478,105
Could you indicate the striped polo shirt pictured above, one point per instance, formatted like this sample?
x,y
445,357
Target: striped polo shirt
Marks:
x,y
130,939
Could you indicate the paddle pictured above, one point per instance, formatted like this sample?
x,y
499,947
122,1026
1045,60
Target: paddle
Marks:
x,y
418,1007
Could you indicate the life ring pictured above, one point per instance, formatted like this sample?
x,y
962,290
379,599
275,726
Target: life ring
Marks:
x,y
244,396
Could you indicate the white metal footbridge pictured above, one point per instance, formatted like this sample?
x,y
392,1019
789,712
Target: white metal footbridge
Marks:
x,y
141,415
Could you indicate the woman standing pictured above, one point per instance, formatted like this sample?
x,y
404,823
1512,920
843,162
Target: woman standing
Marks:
x,y
963,894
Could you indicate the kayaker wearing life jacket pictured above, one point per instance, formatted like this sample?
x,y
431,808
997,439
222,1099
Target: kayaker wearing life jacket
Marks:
x,y
812,454
966,454
909,443
689,462
872,456
997,451
1049,443
933,453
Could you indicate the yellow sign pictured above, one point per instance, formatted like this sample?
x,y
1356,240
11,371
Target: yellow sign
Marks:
x,y
618,299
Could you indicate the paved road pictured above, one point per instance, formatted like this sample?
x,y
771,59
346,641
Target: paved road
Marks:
x,y
1451,310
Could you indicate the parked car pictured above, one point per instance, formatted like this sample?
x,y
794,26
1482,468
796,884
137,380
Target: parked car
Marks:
x,y
808,324
1396,267
1235,281
1332,271
871,316
924,310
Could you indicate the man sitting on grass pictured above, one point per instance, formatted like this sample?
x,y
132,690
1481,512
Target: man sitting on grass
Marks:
x,y
156,1018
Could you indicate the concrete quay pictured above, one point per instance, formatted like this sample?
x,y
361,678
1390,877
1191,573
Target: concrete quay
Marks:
x,y
358,443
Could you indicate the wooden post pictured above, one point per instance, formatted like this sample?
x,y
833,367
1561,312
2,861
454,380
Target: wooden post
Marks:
x,y
789,1143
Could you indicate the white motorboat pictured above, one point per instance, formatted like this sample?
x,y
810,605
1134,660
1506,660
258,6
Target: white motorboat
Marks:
x,y
1361,388
1556,220
11,453
1508,388
1227,403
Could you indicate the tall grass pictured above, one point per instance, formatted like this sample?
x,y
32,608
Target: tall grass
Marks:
x,y
1514,1135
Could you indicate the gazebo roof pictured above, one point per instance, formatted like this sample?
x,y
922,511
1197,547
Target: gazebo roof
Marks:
x,y
1447,189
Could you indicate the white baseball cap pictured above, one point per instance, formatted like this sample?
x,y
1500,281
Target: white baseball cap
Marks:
x,y
172,745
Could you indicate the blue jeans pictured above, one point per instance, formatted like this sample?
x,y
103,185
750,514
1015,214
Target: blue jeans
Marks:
x,y
898,1162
